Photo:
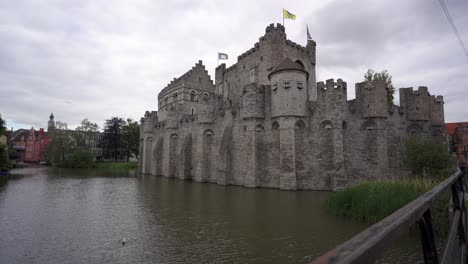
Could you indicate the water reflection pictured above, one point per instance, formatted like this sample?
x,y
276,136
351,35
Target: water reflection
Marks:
x,y
79,216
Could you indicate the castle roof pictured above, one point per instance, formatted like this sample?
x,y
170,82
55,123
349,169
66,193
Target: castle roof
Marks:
x,y
288,65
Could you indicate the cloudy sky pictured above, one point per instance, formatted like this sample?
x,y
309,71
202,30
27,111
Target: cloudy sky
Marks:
x,y
96,58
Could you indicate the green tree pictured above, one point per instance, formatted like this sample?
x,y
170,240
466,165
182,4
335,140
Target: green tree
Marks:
x,y
112,145
79,158
2,126
87,126
383,75
130,138
61,143
4,161
424,156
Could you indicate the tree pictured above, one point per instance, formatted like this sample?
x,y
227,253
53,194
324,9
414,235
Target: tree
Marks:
x,y
383,75
87,126
130,138
61,143
112,145
423,156
2,126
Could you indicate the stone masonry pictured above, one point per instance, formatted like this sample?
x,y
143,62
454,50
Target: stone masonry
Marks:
x,y
266,122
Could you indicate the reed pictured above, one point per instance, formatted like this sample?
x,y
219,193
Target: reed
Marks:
x,y
370,202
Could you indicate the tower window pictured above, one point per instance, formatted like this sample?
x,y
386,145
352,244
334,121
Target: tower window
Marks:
x,y
287,84
300,85
275,86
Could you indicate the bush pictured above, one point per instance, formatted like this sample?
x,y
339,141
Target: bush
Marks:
x,y
80,158
423,156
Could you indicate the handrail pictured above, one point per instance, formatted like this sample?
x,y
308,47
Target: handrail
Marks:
x,y
366,246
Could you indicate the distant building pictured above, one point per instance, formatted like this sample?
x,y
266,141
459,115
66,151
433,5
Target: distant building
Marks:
x,y
29,144
91,139
458,133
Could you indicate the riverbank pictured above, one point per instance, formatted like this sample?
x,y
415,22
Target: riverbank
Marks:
x,y
370,202
101,165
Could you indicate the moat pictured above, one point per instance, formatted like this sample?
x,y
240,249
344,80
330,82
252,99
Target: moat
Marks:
x,y
80,216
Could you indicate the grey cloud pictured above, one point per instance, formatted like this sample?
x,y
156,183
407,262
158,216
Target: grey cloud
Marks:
x,y
112,59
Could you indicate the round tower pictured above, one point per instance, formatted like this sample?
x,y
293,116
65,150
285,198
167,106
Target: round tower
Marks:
x,y
289,89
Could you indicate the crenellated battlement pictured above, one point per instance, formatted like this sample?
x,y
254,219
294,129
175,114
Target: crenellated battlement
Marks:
x,y
330,84
272,28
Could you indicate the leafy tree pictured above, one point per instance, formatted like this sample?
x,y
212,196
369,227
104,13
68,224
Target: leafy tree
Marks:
x,y
423,156
87,126
4,161
112,145
383,75
2,126
79,158
61,143
130,138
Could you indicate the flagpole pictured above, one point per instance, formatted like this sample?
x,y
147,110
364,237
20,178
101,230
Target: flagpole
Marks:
x,y
283,17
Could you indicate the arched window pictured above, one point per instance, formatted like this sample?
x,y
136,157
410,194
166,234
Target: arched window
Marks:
x,y
299,125
327,124
259,128
175,95
192,95
275,126
344,125
369,125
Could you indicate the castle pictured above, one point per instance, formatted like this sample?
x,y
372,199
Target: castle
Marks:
x,y
266,122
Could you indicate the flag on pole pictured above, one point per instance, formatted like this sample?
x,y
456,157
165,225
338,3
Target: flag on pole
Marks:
x,y
222,56
288,15
308,34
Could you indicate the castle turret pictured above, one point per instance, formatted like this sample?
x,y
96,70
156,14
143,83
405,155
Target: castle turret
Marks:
x,y
273,44
372,98
332,98
437,110
415,103
289,89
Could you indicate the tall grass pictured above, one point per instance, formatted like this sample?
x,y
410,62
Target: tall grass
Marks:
x,y
370,202
116,165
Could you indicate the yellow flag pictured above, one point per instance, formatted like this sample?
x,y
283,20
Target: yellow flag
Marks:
x,y
288,15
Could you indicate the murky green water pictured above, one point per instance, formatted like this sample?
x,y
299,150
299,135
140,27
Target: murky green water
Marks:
x,y
80,216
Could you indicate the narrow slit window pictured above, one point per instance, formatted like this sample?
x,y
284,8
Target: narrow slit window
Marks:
x,y
300,85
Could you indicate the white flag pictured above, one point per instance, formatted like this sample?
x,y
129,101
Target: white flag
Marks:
x,y
222,56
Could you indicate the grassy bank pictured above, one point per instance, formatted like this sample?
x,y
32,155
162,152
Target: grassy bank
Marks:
x,y
99,165
116,165
372,201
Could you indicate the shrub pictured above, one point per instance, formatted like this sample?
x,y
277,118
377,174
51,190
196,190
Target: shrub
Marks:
x,y
80,158
430,158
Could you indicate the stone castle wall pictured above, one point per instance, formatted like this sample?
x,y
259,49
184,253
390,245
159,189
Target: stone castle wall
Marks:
x,y
266,123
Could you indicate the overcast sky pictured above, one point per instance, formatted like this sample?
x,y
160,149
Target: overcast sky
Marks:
x,y
97,59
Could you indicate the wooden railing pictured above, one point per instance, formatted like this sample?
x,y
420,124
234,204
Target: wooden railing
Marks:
x,y
368,245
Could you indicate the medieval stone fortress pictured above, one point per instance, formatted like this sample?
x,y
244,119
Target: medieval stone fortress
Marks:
x,y
266,122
